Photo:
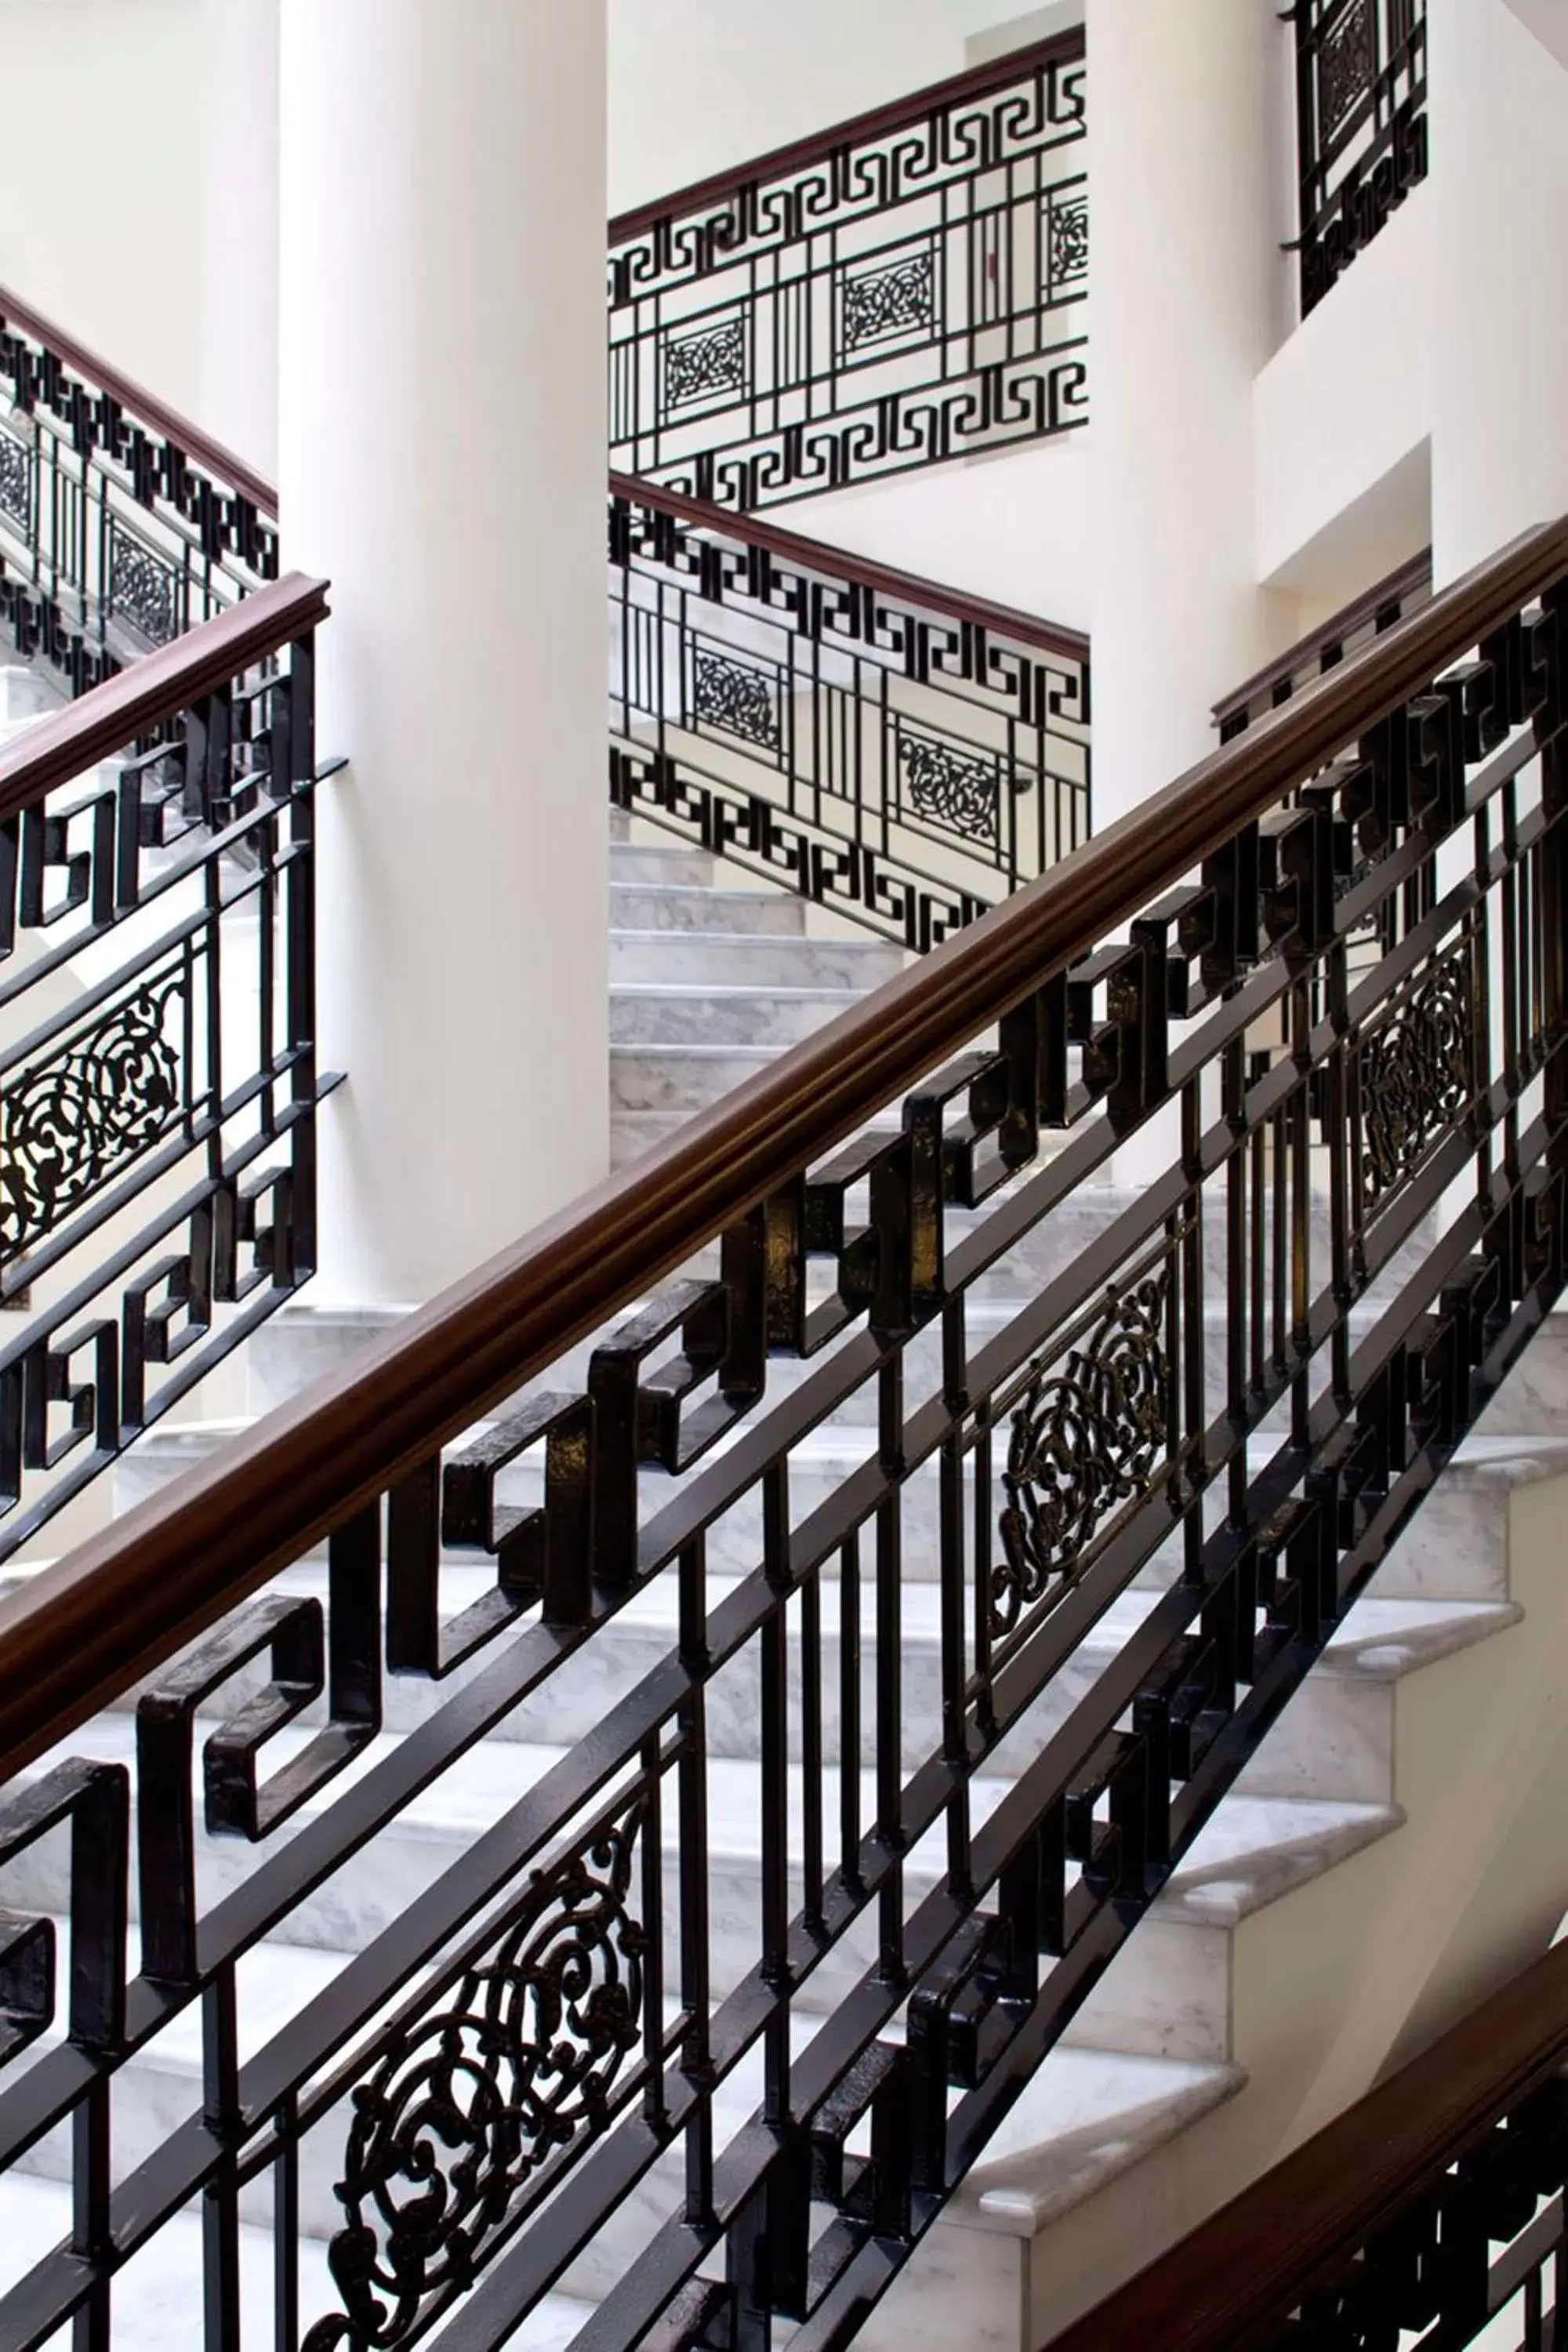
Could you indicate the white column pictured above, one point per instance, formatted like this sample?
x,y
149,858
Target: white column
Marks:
x,y
1187,297
1498,120
443,460
1187,293
236,326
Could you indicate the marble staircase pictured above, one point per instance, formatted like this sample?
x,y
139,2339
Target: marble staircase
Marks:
x,y
1179,2047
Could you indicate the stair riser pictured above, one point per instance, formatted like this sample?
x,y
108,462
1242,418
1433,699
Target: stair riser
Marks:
x,y
647,1020
753,914
697,960
635,863
676,1079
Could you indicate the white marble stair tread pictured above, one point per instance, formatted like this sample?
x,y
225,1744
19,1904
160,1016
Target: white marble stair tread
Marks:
x,y
1086,2116
1384,1638
1257,1849
157,2297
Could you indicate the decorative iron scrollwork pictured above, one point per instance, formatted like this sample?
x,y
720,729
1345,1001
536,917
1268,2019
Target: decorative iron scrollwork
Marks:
x,y
950,787
1066,255
143,590
1084,1439
705,366
1416,1075
893,299
17,482
1346,65
67,1125
733,696
468,2100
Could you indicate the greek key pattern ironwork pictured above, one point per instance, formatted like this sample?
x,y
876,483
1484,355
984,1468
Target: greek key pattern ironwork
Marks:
x,y
69,1124
896,300
471,2097
1085,1439
147,1102
851,317
126,538
1361,126
16,480
731,695
1416,1075
906,768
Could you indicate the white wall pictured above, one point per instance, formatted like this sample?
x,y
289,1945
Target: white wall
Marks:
x,y
1343,414
1015,527
1499,148
100,177
698,85
139,194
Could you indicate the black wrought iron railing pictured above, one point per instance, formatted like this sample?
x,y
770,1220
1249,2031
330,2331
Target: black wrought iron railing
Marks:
x,y
1433,2211
798,1857
121,525
158,1082
1361,126
905,287
893,750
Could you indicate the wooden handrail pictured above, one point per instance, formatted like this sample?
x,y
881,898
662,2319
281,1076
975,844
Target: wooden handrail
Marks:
x,y
199,447
877,122
836,563
86,1629
134,701
1249,2266
1416,573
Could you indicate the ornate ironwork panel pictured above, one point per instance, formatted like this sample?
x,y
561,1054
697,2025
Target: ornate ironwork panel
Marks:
x,y
1360,113
112,538
910,294
629,1749
156,1125
908,768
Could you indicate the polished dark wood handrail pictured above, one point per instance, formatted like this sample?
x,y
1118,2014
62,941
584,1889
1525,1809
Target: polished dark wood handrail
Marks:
x,y
1250,2264
877,122
84,1629
836,563
143,405
1402,582
156,689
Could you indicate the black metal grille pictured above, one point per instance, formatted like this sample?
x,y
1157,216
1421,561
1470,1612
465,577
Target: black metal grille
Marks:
x,y
904,766
1229,1389
113,540
158,1082
910,293
1361,116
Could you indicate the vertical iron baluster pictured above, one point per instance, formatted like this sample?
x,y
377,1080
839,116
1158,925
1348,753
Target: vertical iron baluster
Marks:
x,y
1233,1110
1257,1063
849,1735
775,1787
652,1845
91,2150
811,1744
1192,1273
954,1587
285,2229
1301,1198
220,2198
891,1665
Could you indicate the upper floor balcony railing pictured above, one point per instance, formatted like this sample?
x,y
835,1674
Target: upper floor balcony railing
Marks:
x,y
121,525
1361,126
896,750
906,287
